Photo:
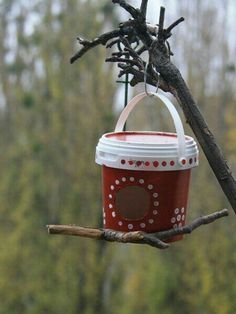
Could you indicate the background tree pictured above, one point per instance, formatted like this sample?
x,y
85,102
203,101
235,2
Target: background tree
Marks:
x,y
48,170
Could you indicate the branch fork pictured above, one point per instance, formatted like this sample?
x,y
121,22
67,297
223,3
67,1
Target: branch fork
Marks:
x,y
156,240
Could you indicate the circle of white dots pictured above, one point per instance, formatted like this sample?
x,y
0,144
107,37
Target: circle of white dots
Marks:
x,y
178,217
182,210
156,203
173,220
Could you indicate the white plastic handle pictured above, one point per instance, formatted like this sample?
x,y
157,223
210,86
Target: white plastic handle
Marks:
x,y
173,112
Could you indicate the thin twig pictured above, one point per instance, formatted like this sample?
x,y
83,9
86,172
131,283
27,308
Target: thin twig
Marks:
x,y
161,23
101,40
143,7
138,237
169,29
112,43
202,220
141,50
124,60
138,77
133,54
131,10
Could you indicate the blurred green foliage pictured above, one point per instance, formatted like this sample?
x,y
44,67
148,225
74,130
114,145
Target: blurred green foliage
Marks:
x,y
51,117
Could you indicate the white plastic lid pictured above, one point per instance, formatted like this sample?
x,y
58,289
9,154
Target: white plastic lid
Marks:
x,y
147,151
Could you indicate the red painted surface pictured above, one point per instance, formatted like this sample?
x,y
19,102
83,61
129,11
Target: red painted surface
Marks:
x,y
144,137
168,196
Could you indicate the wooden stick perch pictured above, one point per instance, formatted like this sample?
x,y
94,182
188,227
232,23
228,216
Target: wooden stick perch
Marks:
x,y
138,237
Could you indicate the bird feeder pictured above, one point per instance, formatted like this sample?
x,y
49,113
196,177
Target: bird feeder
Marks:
x,y
146,175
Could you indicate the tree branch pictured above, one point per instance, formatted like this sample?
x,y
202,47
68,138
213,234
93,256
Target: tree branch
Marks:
x,y
101,40
138,237
196,121
138,22
143,8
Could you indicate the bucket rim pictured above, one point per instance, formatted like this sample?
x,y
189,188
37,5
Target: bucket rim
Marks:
x,y
128,154
110,139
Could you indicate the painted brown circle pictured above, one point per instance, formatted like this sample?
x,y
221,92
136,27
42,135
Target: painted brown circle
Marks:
x,y
132,202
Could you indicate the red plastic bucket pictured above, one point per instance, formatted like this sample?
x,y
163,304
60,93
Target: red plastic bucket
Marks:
x,y
146,175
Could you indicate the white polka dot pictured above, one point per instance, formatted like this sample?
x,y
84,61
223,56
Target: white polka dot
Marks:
x,y
117,182
142,225
110,196
183,217
154,212
151,221
104,221
180,224
176,211
182,210
112,187
155,195
110,206
130,226
120,223
113,214
131,179
156,203
173,220
141,181
150,186
104,214
123,179
178,217
175,226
